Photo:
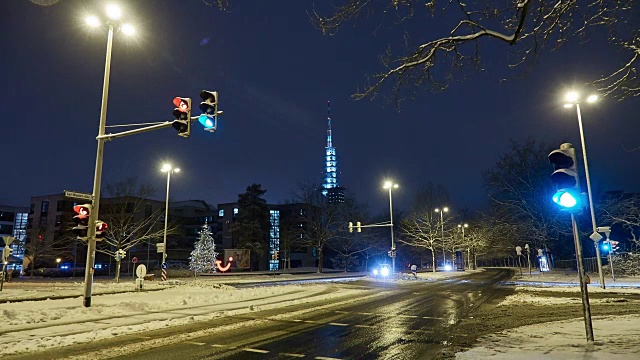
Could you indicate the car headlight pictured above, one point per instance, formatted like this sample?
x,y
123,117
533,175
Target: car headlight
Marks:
x,y
448,267
384,272
375,271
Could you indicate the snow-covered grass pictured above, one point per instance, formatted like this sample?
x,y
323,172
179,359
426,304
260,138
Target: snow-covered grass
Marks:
x,y
31,326
616,337
523,298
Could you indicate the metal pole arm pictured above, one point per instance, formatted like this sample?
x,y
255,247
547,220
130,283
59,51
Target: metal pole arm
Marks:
x,y
135,131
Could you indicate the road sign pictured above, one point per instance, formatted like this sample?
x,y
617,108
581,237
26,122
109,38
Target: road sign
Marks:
x,y
141,271
160,247
8,240
595,237
164,265
134,260
518,250
5,253
77,195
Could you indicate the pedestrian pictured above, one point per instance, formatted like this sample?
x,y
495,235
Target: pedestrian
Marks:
x,y
414,270
9,274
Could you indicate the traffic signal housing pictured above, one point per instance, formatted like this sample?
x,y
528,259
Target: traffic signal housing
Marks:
x,y
606,246
565,178
82,220
209,108
614,245
182,115
350,226
101,226
358,225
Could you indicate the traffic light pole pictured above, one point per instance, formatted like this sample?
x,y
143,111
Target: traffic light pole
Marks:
x,y
393,245
593,216
97,180
586,308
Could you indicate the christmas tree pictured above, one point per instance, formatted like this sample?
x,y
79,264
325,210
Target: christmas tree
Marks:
x,y
203,257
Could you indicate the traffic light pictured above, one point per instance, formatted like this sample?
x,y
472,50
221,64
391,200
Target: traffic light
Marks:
x,y
82,220
606,246
614,245
182,114
101,226
565,178
209,108
350,227
358,226
275,255
6,252
121,254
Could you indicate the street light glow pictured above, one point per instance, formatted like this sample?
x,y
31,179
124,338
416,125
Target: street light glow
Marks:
x,y
592,98
387,184
128,29
166,167
114,12
572,96
395,186
176,170
568,106
92,21
446,209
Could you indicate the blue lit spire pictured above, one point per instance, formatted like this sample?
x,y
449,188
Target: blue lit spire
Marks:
x,y
331,162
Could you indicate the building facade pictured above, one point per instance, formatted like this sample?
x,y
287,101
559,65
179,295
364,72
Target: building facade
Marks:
x,y
13,222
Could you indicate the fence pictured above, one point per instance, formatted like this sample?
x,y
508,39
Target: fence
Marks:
x,y
590,264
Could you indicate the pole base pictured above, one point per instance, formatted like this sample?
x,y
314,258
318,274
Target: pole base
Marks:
x,y
87,301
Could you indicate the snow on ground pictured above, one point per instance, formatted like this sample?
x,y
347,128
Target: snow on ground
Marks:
x,y
571,277
617,337
522,298
38,325
407,278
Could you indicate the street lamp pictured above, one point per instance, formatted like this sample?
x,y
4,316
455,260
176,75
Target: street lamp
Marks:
x,y
113,13
169,170
389,185
444,210
573,98
464,226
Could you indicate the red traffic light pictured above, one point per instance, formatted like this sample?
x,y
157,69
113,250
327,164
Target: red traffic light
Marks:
x,y
83,211
181,104
101,226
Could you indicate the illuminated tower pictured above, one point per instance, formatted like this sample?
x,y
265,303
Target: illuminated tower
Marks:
x,y
330,187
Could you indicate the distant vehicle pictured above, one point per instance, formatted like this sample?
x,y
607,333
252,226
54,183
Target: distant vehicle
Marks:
x,y
382,270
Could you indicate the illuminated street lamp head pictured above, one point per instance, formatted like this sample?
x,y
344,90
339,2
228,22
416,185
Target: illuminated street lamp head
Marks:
x,y
176,170
395,186
128,29
461,225
445,209
92,21
58,260
387,184
572,97
166,167
114,12
592,98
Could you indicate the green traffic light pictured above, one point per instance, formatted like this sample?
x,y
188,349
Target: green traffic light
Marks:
x,y
565,199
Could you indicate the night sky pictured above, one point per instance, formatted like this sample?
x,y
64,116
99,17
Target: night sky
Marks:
x,y
275,72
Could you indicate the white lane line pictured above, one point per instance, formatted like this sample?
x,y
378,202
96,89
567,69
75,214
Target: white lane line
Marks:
x,y
195,343
292,354
217,345
338,324
408,316
341,312
364,326
365,313
431,317
256,350
325,358
310,321
296,320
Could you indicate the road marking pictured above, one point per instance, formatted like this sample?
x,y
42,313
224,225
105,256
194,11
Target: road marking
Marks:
x,y
408,316
292,355
310,321
431,317
217,345
256,350
296,320
195,343
365,313
341,312
338,324
364,326
325,358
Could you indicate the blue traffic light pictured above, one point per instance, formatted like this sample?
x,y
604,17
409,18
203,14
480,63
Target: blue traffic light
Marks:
x,y
206,121
565,199
606,246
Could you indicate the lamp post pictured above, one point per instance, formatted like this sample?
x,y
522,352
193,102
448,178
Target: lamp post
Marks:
x,y
113,15
444,210
464,226
574,99
169,170
389,185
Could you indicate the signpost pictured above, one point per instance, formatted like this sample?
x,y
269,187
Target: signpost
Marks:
x,y
164,271
6,252
134,261
519,253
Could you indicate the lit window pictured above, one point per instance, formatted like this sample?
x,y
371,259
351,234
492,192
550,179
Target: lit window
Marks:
x,y
221,213
235,211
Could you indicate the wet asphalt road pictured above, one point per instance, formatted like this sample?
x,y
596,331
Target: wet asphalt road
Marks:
x,y
390,321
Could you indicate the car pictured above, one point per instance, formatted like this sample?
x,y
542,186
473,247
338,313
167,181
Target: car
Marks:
x,y
382,270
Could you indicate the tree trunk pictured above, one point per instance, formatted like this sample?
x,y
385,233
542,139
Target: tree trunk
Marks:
x,y
320,259
117,270
433,260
